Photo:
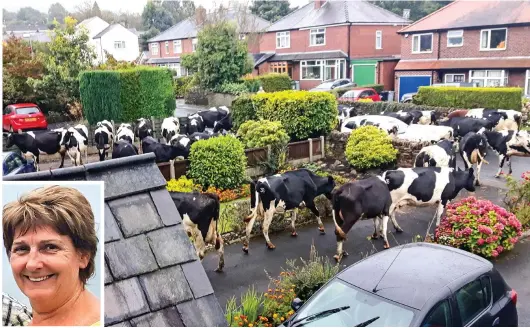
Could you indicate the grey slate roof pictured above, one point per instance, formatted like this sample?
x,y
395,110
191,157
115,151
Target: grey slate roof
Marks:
x,y
164,60
188,28
42,36
153,276
336,12
297,56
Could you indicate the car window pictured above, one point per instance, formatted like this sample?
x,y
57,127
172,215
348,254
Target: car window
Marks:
x,y
440,316
13,162
351,94
471,300
27,110
370,92
486,283
364,94
344,82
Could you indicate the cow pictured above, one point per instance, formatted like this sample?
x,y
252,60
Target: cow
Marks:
x,y
200,216
163,152
497,118
442,154
421,117
463,125
201,136
33,145
142,129
225,124
405,117
513,116
359,200
457,113
508,143
389,128
124,148
422,186
104,138
76,142
170,128
213,115
283,192
345,112
183,143
473,150
195,124
388,124
430,133
125,132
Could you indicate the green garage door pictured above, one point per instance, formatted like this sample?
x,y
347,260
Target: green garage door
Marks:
x,y
364,72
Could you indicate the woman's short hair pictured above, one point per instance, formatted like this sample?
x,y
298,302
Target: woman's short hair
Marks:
x,y
64,209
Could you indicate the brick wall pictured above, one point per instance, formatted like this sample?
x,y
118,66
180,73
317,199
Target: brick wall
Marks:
x,y
336,39
516,78
406,48
362,44
385,74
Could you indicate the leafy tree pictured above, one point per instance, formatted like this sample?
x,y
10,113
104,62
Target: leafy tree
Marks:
x,y
271,10
418,9
95,10
31,16
57,12
8,15
187,8
114,64
220,57
154,16
146,36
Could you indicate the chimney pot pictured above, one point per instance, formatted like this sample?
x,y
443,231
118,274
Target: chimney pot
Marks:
x,y
319,3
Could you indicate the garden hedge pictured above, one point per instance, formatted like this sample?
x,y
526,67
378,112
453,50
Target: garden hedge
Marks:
x,y
252,83
369,147
377,87
243,110
504,98
100,95
273,82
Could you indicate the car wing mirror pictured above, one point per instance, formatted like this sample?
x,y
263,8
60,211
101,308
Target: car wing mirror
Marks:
x,y
296,304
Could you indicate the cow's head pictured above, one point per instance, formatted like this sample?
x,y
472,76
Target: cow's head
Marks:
x,y
464,179
495,117
433,118
328,187
225,123
10,142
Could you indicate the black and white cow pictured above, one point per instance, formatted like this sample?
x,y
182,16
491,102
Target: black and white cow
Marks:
x,y
423,186
33,145
405,117
442,154
345,112
497,118
283,192
201,136
76,142
213,115
513,116
104,138
163,152
200,216
508,143
143,128
125,132
360,200
473,150
183,143
225,124
391,129
170,127
430,133
123,148
463,125
195,124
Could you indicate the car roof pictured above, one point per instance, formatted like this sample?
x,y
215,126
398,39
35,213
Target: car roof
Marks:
x,y
22,105
360,89
410,274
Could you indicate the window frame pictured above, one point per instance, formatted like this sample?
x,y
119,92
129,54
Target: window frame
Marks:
x,y
419,43
503,78
120,43
323,66
287,36
379,36
527,82
453,75
448,302
489,30
455,45
315,32
166,46
153,47
194,44
177,46
303,64
487,303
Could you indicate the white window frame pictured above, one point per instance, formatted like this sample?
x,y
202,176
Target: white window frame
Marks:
x,y
177,46
242,36
489,39
315,32
419,43
461,35
119,44
194,43
527,82
166,46
323,64
283,35
154,46
378,40
503,78
453,75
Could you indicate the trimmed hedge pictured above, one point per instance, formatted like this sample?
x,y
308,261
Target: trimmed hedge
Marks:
x,y
252,83
243,110
273,82
505,98
126,95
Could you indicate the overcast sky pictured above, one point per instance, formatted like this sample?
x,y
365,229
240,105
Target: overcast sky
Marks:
x,y
112,5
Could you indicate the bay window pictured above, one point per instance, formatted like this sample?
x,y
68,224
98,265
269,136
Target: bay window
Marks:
x,y
283,40
317,37
489,78
422,43
323,69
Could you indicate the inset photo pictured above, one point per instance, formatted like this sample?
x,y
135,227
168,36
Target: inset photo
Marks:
x,y
52,264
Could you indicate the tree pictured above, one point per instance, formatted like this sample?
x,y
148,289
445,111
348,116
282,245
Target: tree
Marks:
x,y
418,9
146,36
31,16
154,16
220,57
57,12
271,10
95,10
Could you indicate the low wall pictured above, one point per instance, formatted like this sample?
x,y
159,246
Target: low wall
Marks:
x,y
220,99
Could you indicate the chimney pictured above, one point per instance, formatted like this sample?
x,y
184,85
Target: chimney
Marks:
x,y
319,3
406,13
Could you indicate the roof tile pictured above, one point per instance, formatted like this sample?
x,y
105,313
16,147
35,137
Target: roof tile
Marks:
x,y
197,279
130,257
167,317
121,324
166,207
136,214
171,246
108,276
124,299
112,232
166,287
208,306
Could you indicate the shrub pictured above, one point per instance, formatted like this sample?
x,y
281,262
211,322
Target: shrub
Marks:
x,y
479,226
377,87
100,95
243,110
218,162
228,195
273,82
232,88
369,147
252,83
517,198
181,85
196,95
506,98
183,184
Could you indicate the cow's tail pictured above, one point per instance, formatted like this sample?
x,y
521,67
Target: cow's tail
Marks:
x,y
217,209
518,120
253,202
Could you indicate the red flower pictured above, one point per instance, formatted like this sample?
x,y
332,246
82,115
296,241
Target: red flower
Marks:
x,y
494,253
480,241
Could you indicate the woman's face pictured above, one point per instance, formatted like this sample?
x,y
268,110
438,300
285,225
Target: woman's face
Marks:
x,y
46,265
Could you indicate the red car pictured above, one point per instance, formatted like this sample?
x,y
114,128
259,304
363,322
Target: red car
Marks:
x,y
25,116
360,93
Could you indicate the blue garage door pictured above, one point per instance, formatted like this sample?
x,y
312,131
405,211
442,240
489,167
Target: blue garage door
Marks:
x,y
409,84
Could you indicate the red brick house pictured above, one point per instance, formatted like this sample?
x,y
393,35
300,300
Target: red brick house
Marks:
x,y
482,42
334,39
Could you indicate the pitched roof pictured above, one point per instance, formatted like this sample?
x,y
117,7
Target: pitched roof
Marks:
x,y
145,283
188,27
336,12
462,64
110,27
466,14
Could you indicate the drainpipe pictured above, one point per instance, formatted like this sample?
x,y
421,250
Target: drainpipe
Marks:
x,y
349,63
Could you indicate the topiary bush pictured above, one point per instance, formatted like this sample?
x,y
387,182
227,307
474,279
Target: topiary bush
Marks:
x,y
218,162
273,82
369,147
479,226
243,110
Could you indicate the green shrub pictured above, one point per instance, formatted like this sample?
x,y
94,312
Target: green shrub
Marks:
x,y
505,98
196,95
377,87
232,88
273,82
181,85
303,114
183,184
252,83
243,110
100,95
517,198
369,147
218,162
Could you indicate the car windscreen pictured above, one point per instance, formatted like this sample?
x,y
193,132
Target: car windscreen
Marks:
x,y
363,306
27,110
352,94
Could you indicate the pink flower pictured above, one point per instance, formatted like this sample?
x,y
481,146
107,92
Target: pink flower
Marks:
x,y
499,226
467,231
494,253
500,249
489,240
484,229
480,241
458,234
514,240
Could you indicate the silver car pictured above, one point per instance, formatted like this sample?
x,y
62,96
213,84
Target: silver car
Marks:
x,y
332,84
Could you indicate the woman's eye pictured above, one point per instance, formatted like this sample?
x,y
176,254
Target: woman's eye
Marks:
x,y
51,247
20,249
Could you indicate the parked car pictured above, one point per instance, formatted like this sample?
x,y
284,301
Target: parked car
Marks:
x,y
14,163
332,84
407,97
25,116
417,284
361,93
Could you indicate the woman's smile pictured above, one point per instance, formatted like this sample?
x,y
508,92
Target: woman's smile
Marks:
x,y
39,278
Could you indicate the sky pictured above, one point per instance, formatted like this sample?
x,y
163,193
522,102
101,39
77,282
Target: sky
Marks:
x,y
112,5
11,191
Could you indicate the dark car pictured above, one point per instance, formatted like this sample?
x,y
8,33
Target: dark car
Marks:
x,y
14,163
417,284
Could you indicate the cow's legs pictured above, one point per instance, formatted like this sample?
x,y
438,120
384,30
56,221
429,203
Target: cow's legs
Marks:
x,y
467,163
313,208
250,224
219,245
62,159
293,220
376,227
385,227
392,214
509,160
36,160
266,224
501,164
439,213
479,166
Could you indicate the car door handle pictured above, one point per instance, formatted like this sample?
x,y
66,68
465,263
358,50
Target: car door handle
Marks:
x,y
495,322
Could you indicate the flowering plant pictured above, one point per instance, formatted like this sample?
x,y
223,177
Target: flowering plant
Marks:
x,y
479,226
184,184
518,198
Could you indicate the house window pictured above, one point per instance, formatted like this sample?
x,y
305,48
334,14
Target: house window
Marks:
x,y
194,44
119,44
167,47
154,48
493,39
422,43
312,70
177,46
317,37
379,39
283,40
279,67
489,78
323,69
454,78
455,38
527,87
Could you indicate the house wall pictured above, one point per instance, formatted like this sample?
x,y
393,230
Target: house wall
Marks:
x,y
385,74
119,33
95,26
336,39
406,48
362,44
